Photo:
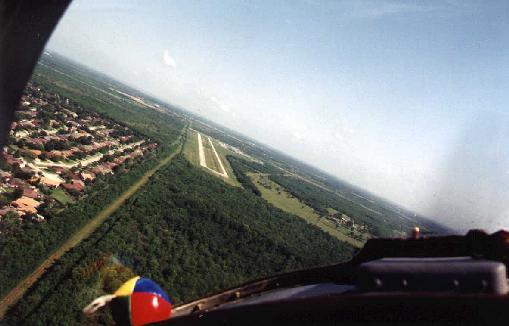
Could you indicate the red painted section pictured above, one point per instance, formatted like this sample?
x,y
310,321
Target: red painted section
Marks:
x,y
148,308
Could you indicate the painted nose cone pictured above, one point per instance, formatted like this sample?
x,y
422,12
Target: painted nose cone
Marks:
x,y
141,301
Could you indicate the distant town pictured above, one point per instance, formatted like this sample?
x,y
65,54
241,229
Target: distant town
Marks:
x,y
56,149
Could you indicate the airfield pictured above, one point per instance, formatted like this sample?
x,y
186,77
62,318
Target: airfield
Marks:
x,y
213,159
209,154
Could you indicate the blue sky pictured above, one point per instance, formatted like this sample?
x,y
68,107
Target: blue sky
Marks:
x,y
407,99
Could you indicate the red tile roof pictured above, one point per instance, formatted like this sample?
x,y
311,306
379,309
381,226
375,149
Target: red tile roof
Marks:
x,y
74,185
31,193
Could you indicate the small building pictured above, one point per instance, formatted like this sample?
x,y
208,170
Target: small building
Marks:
x,y
101,169
59,169
345,219
74,185
12,161
17,183
50,182
67,153
26,205
6,210
55,155
5,176
31,192
87,176
36,152
74,176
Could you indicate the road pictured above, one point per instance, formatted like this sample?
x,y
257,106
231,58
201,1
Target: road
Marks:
x,y
223,171
49,175
19,290
201,153
87,160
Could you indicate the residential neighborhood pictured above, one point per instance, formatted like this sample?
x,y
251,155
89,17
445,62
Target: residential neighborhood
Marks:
x,y
56,149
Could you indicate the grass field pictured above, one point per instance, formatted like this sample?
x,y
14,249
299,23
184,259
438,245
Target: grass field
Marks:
x,y
279,197
210,157
61,196
191,148
222,154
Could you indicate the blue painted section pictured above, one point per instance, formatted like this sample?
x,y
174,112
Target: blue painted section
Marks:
x,y
149,286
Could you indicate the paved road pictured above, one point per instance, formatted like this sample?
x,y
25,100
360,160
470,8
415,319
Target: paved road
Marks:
x,y
87,160
201,153
223,171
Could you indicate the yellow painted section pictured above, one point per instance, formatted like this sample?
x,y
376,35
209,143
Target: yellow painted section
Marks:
x,y
127,288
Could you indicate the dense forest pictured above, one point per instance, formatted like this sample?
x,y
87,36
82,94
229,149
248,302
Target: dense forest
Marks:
x,y
240,168
21,250
188,231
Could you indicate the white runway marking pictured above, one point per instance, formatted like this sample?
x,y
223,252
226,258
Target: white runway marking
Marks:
x,y
224,174
201,154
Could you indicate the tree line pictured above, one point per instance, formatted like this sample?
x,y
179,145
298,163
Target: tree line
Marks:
x,y
192,234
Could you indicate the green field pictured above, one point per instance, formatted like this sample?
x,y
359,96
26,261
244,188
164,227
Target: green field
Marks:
x,y
61,196
210,157
190,150
279,197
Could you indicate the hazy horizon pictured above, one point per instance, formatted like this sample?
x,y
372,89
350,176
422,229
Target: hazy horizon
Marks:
x,y
404,99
